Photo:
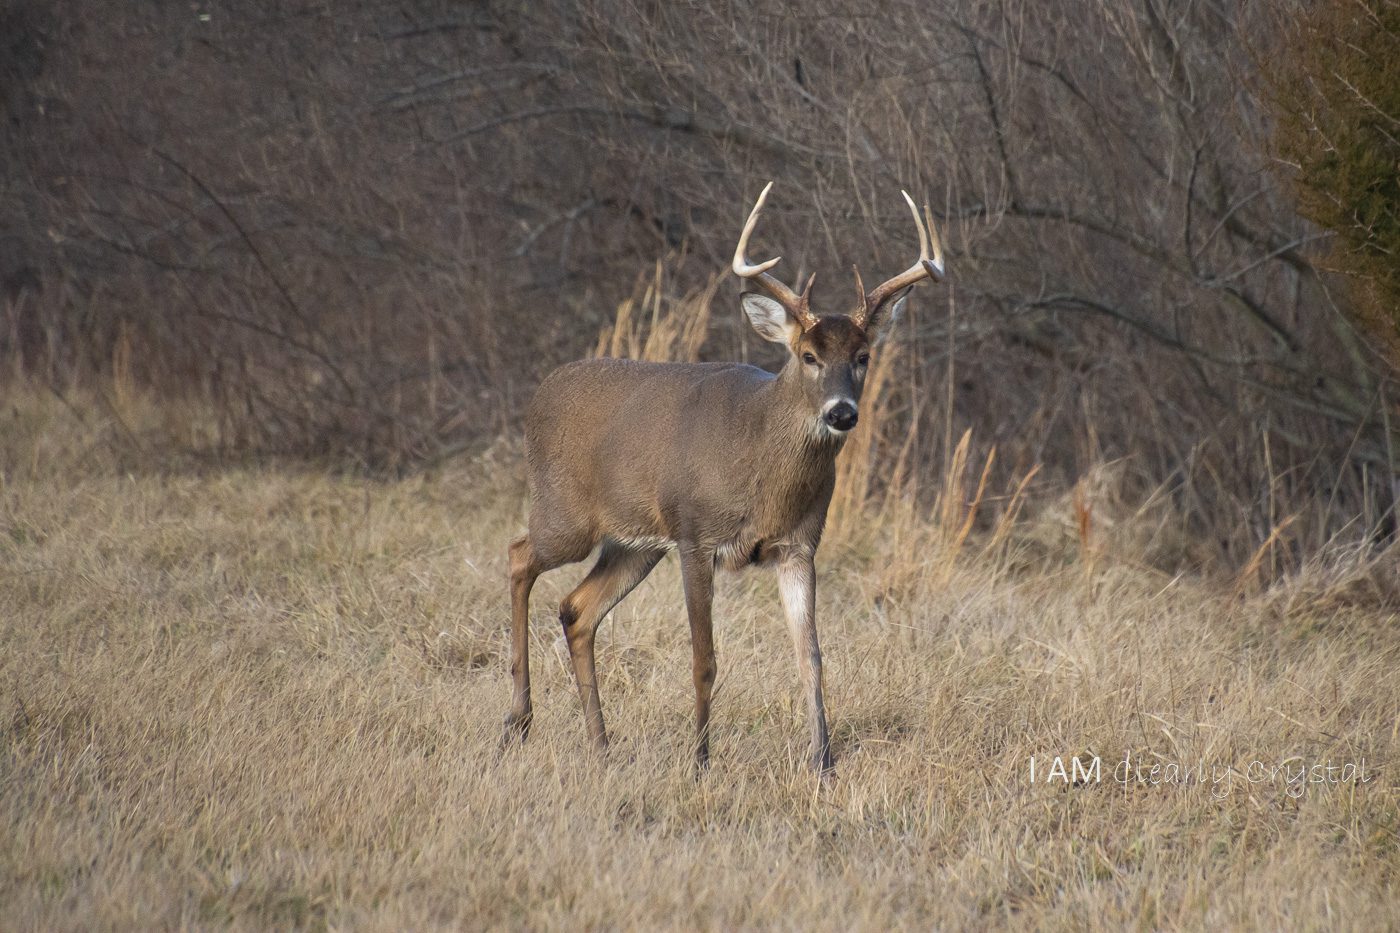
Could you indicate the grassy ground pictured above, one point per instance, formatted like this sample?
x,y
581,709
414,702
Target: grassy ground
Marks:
x,y
269,697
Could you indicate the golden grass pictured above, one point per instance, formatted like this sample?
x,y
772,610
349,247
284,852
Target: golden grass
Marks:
x,y
270,697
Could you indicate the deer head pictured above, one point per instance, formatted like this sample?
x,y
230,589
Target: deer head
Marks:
x,y
830,355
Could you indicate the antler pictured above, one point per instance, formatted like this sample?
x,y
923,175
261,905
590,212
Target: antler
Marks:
x,y
928,267
796,304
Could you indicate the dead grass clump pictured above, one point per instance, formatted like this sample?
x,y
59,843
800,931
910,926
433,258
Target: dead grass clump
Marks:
x,y
1097,520
1344,582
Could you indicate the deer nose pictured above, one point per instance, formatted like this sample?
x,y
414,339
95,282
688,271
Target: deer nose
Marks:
x,y
841,416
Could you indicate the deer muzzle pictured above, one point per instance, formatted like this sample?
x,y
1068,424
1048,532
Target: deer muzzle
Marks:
x,y
840,414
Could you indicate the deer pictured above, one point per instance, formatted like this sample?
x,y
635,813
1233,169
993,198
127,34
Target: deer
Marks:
x,y
727,464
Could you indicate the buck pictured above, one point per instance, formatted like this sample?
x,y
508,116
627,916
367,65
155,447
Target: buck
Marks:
x,y
727,463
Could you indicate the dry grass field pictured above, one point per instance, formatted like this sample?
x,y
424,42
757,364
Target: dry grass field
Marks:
x,y
270,697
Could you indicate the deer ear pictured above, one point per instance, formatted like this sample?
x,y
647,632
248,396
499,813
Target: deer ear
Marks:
x,y
880,326
771,319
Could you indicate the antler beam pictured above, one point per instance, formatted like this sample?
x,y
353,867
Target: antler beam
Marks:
x,y
797,305
929,266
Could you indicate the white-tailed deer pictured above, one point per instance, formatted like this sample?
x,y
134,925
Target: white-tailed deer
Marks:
x,y
729,464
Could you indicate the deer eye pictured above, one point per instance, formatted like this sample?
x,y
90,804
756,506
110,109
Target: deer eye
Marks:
x,y
809,358
863,360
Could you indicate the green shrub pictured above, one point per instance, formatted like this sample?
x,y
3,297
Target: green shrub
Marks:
x,y
1336,93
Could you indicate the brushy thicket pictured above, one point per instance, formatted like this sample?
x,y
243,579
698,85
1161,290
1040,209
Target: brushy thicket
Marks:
x,y
365,230
1337,90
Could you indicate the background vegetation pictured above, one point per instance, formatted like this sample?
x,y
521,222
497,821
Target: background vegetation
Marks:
x,y
364,230
1337,94
276,280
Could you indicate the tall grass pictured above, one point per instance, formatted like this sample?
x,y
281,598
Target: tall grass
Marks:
x,y
258,697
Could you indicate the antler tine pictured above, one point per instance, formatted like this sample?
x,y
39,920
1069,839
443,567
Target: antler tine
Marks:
x,y
741,263
758,272
928,266
934,265
923,233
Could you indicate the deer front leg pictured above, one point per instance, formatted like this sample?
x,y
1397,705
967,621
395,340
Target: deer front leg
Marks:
x,y
797,584
698,577
524,569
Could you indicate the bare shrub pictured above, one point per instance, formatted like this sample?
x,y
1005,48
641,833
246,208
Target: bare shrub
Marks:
x,y
366,232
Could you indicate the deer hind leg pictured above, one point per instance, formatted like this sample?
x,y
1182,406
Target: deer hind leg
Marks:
x,y
616,573
525,568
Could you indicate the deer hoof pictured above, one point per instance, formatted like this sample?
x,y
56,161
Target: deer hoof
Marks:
x,y
517,727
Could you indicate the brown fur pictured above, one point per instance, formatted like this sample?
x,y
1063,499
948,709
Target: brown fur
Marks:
x,y
726,462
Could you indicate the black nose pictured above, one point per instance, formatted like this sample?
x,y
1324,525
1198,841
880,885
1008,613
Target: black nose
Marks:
x,y
841,416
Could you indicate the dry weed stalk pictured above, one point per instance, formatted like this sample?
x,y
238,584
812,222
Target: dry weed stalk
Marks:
x,y
1084,529
1250,579
650,326
954,513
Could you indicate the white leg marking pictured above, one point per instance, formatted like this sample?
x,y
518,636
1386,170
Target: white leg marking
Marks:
x,y
797,587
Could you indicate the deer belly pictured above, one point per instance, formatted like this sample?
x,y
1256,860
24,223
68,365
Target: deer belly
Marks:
x,y
641,542
745,551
